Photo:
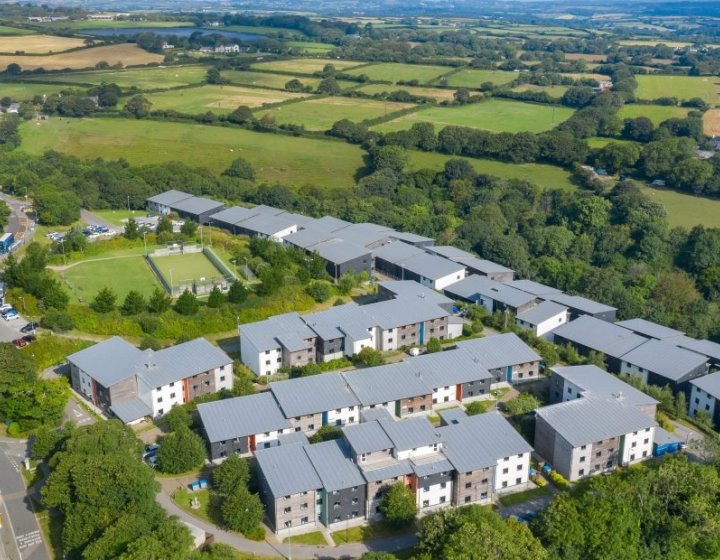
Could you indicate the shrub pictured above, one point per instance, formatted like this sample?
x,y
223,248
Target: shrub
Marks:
x,y
369,357
522,404
433,345
242,511
398,505
58,321
319,291
541,482
559,480
187,303
478,407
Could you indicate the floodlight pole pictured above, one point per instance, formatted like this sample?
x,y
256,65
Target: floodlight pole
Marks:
x,y
145,241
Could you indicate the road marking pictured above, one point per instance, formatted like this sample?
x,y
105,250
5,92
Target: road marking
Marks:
x,y
29,539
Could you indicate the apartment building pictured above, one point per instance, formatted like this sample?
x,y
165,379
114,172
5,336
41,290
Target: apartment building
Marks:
x,y
505,356
704,395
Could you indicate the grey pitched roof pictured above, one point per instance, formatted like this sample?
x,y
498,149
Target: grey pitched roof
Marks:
x,y
370,414
427,466
108,362
397,312
432,267
292,342
269,210
709,383
599,335
386,471
287,470
367,437
411,238
293,438
308,237
335,469
542,312
169,197
339,320
263,334
582,304
500,351
397,252
704,347
534,288
364,234
268,224
595,381
339,251
450,252
196,205
648,328
451,415
590,419
410,433
130,410
310,395
233,215
241,416
665,359
473,286
476,442
482,265
411,290
180,361
331,223
385,383
449,367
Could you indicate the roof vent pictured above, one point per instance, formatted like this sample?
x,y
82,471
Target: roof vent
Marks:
x,y
619,396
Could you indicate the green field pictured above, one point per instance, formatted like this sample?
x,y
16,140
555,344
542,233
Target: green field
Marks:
x,y
5,30
320,114
219,99
186,268
439,94
119,217
144,78
656,113
304,161
552,91
474,78
601,142
122,24
262,30
686,210
18,91
305,65
497,115
266,79
85,279
682,87
392,72
310,47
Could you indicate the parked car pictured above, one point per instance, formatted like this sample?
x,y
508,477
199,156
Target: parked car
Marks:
x,y
30,327
150,450
5,307
28,338
20,342
10,315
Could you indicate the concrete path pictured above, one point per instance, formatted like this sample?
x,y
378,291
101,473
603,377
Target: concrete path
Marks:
x,y
264,548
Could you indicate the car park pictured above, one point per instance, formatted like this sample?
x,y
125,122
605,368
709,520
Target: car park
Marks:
x,y
10,315
5,307
30,327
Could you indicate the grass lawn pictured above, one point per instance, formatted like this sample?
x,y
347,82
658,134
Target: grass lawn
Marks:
x,y
25,91
219,99
686,210
38,44
49,350
520,497
304,161
552,91
394,72
439,94
124,53
265,79
473,78
309,47
85,279
143,78
656,113
682,87
206,511
305,65
315,538
496,115
320,114
119,217
369,532
545,176
191,266
653,42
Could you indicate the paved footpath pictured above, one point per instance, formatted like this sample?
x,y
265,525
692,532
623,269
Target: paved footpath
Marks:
x,y
264,548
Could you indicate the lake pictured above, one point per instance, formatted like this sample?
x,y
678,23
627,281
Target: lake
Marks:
x,y
176,31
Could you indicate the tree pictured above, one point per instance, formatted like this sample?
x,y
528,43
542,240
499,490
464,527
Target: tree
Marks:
x,y
159,301
433,345
240,168
131,229
294,85
346,283
524,403
398,505
216,298
329,86
237,292
134,303
393,158
164,225
242,511
320,291
213,76
104,301
138,106
326,433
178,418
180,451
54,206
369,357
243,114
230,475
13,69
187,303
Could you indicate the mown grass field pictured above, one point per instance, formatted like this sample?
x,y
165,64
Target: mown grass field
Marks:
x,y
305,65
320,114
186,268
310,47
652,43
7,30
284,159
587,76
395,72
26,91
682,87
38,44
125,54
218,99
142,78
553,91
262,30
497,115
439,94
472,78
119,217
265,79
686,210
656,113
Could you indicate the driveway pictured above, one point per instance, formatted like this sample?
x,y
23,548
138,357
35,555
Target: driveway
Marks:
x,y
529,508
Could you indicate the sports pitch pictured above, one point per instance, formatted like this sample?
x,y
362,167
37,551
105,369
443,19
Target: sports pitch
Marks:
x,y
124,54
186,268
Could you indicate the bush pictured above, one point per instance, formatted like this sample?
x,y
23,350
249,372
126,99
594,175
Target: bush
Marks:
x,y
178,418
524,403
104,301
187,303
58,321
180,452
233,473
319,291
242,511
540,482
398,505
368,357
326,433
433,345
478,407
559,480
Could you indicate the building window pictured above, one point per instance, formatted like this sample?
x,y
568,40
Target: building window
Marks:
x,y
598,454
467,499
311,426
288,523
442,499
519,467
222,378
304,520
443,485
484,481
288,509
172,395
504,484
505,471
161,411
582,459
518,481
468,485
581,472
632,457
646,440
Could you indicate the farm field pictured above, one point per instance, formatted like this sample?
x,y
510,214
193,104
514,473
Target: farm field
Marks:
x,y
305,65
439,94
6,30
142,78
25,91
38,44
262,30
652,43
545,176
474,78
115,24
553,91
587,57
497,115
187,267
310,47
587,76
392,72
304,161
265,79
656,113
711,122
121,274
125,53
219,99
320,114
686,210
682,87
598,142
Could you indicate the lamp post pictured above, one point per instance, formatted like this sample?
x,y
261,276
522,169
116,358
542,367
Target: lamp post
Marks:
x,y
62,244
145,241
